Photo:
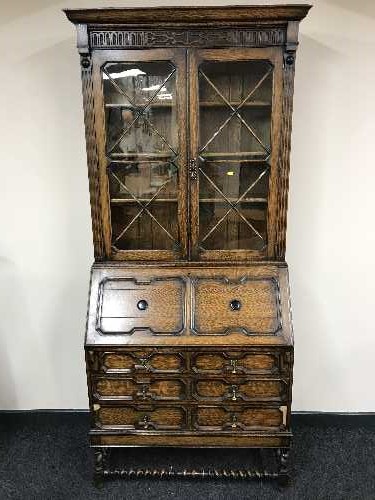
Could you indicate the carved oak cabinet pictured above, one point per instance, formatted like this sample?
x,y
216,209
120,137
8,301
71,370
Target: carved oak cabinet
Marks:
x,y
188,122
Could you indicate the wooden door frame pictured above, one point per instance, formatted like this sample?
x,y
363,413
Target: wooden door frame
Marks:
x,y
195,57
176,56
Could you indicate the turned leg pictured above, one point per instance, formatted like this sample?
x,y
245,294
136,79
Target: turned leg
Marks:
x,y
101,457
283,466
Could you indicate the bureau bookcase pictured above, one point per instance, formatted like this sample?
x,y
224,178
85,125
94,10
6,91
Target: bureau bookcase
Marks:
x,y
188,126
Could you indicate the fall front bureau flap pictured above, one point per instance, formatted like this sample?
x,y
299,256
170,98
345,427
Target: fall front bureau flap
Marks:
x,y
189,305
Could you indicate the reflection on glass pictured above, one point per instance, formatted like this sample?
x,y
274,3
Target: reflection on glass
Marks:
x,y
235,106
232,229
142,145
140,108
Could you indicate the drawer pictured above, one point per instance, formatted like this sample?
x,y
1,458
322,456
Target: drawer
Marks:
x,y
138,390
140,417
139,361
224,418
222,306
239,390
129,304
222,363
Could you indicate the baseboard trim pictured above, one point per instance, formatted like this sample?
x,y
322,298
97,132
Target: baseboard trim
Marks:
x,y
296,413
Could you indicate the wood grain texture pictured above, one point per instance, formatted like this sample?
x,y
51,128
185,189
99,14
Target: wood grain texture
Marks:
x,y
140,417
194,439
257,299
237,419
109,38
189,15
190,345
222,363
265,302
138,389
285,141
92,157
127,305
140,361
238,390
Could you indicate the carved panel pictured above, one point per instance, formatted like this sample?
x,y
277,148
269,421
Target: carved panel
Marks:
x,y
117,39
233,362
140,417
284,154
92,156
142,361
239,390
221,306
222,418
128,304
130,389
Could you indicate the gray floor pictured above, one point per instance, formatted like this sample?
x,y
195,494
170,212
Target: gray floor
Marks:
x,y
45,456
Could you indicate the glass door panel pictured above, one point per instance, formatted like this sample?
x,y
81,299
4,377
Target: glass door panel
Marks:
x,y
143,112
233,147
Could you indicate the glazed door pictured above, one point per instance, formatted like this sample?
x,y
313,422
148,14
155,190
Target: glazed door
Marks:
x,y
140,119
235,103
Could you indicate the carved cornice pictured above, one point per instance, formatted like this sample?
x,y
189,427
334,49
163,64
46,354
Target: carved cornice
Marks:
x,y
190,15
116,39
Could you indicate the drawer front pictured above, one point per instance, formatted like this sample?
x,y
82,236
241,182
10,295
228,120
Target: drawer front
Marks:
x,y
235,419
233,362
139,417
140,361
238,390
222,306
128,304
139,390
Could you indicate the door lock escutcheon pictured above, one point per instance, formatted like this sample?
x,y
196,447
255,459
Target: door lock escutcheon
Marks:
x,y
193,169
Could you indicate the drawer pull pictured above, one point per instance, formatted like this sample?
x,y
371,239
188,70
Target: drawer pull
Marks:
x,y
146,422
234,394
233,363
235,305
142,305
234,421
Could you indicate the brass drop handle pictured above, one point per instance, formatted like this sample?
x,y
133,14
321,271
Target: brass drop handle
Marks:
x,y
146,421
233,363
234,421
234,392
193,169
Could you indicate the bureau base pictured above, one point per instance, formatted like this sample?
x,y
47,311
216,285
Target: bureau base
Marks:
x,y
104,469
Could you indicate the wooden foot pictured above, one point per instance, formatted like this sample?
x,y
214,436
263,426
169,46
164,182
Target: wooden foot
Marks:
x,y
101,466
283,478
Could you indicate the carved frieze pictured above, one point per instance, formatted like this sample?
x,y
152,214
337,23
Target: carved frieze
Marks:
x,y
116,39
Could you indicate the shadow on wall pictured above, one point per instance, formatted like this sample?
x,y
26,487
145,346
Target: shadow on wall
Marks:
x,y
16,328
11,11
311,190
65,327
363,7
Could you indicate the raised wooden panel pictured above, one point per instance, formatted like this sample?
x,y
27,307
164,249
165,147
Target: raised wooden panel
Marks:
x,y
140,417
128,304
235,362
238,390
238,419
221,306
139,390
142,361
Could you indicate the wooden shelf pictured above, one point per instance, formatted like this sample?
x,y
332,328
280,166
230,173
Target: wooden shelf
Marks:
x,y
250,104
143,156
203,104
120,201
233,200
